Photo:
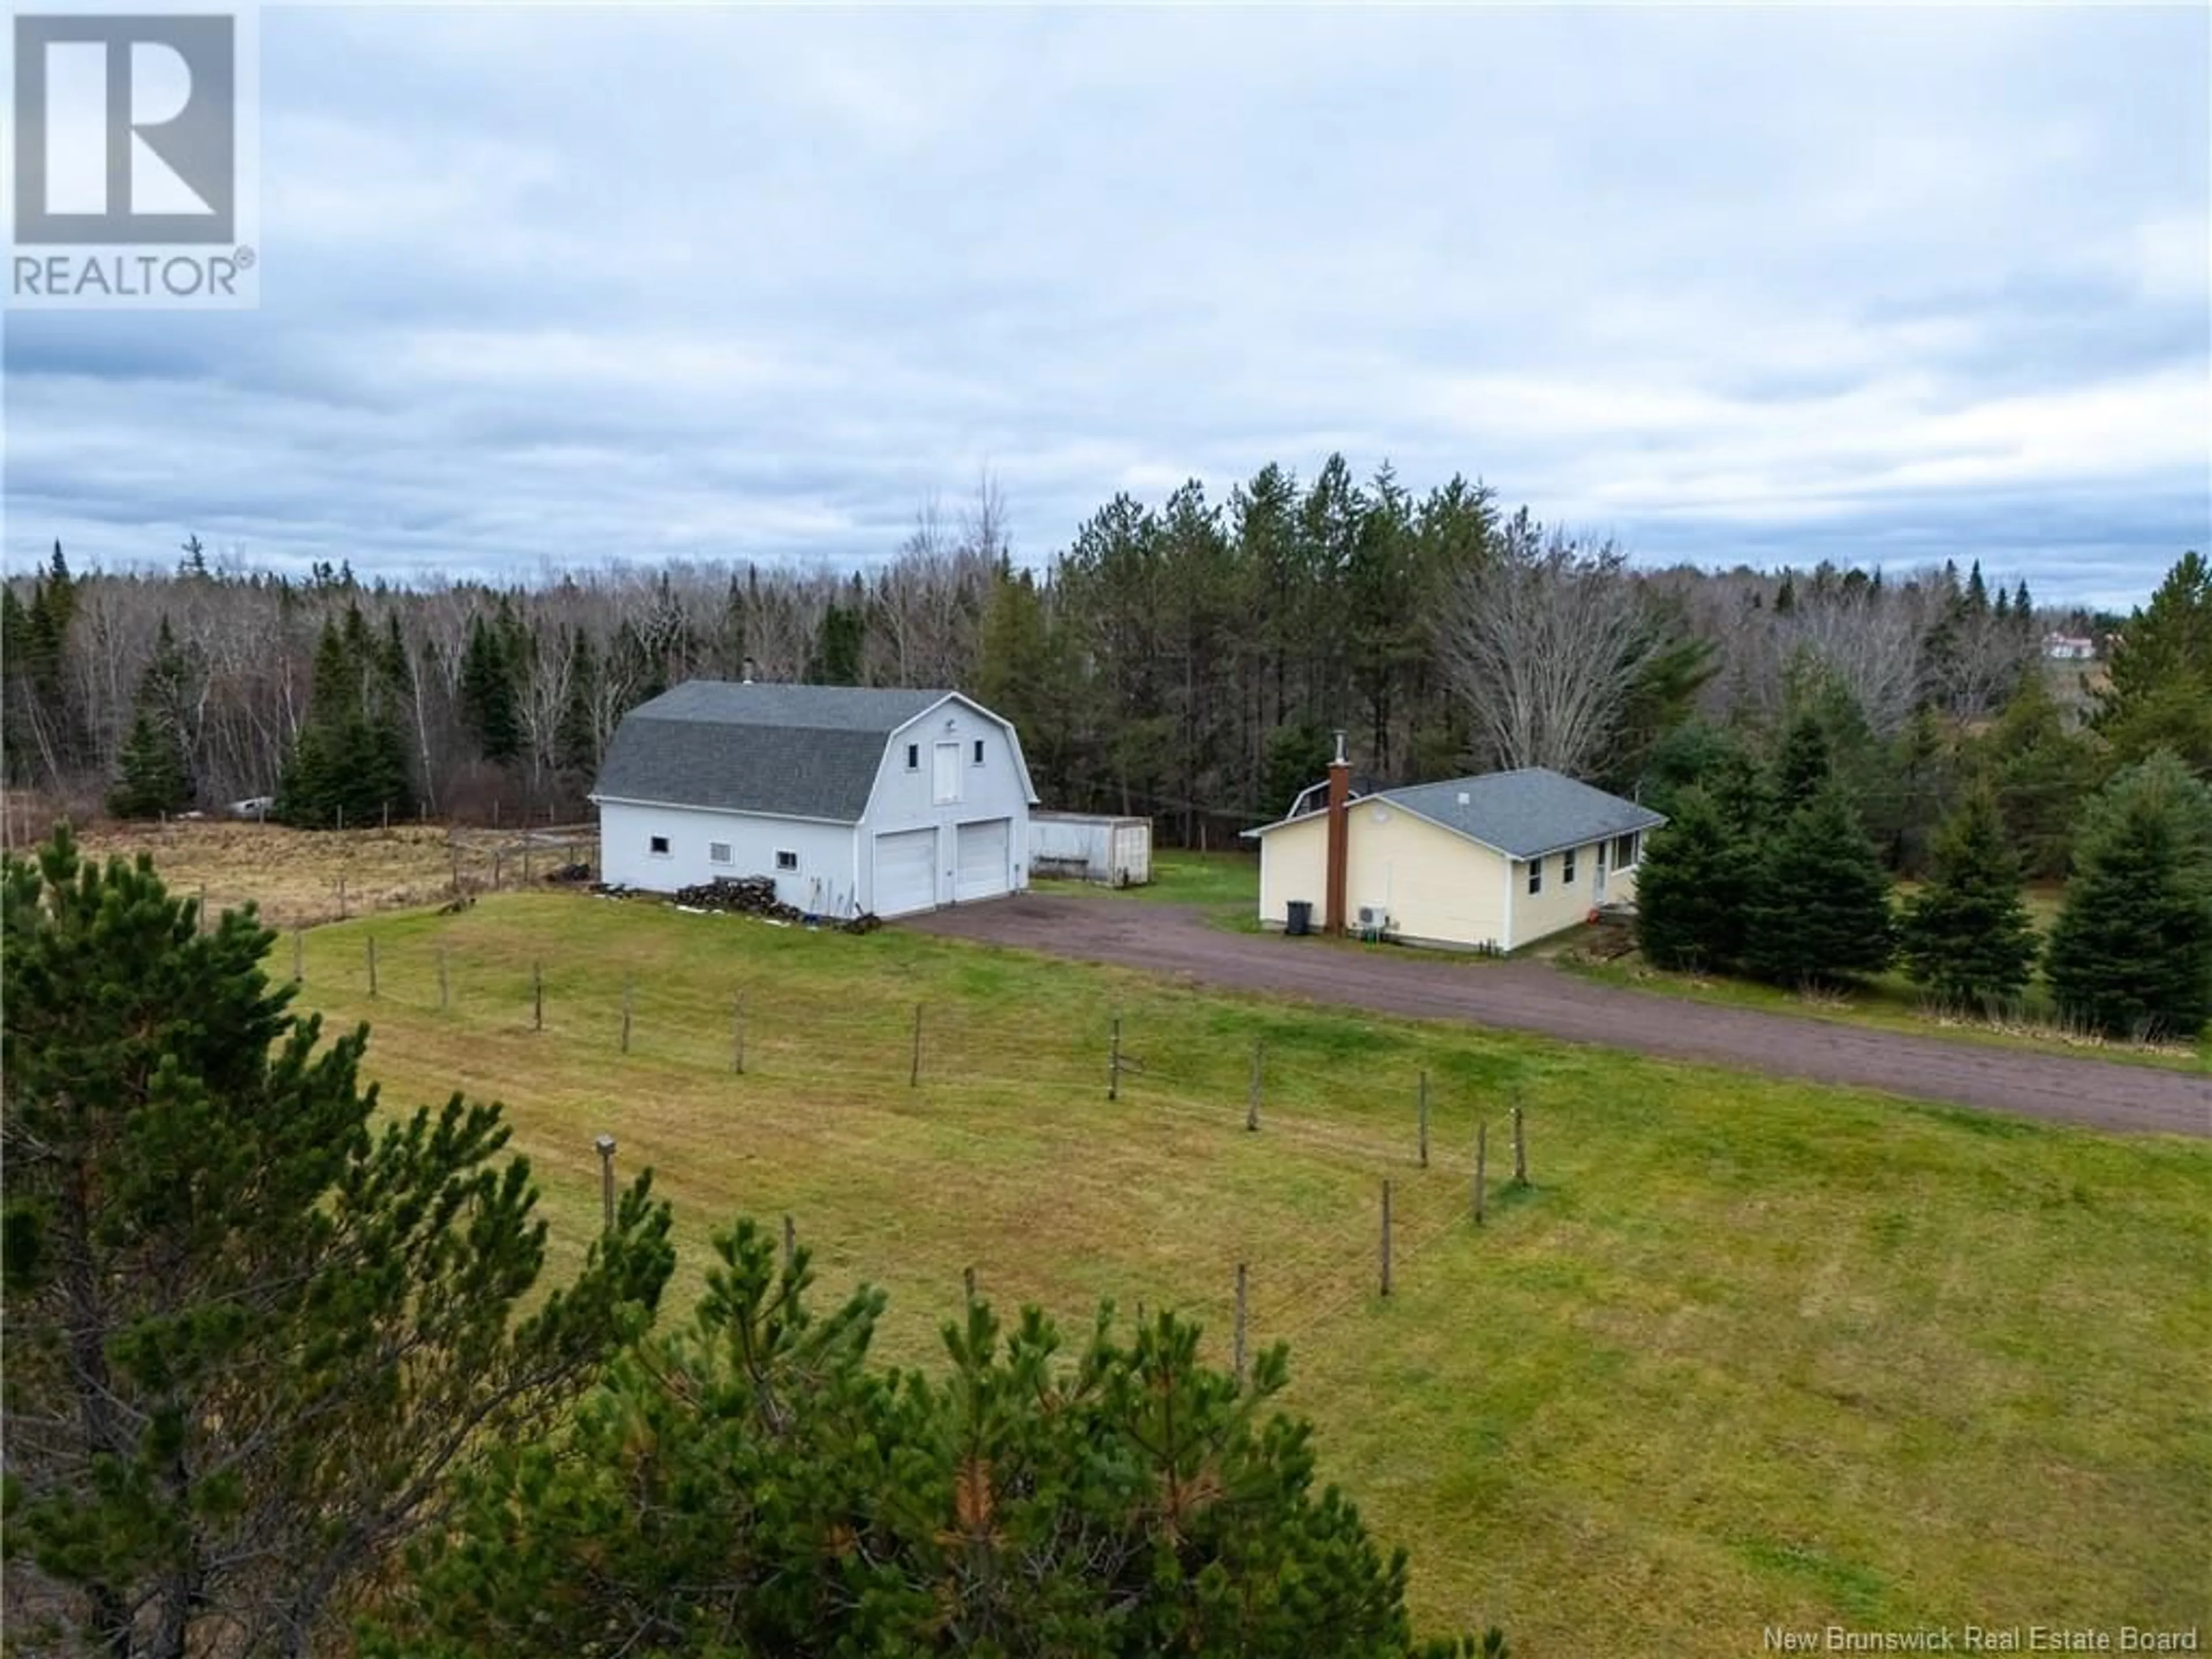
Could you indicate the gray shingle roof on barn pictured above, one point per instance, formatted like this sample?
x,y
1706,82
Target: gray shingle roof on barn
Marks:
x,y
801,751
1527,813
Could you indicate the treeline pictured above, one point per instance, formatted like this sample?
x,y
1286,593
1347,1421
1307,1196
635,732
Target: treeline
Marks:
x,y
287,1376
1186,659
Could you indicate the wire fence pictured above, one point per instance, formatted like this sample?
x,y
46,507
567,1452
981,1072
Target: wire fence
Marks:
x,y
1355,1122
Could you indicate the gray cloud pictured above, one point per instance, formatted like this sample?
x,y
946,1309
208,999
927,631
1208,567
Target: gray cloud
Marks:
x,y
555,285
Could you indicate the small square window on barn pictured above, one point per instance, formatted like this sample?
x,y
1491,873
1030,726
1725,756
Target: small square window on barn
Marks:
x,y
658,845
718,851
1536,875
979,751
914,757
786,860
1567,865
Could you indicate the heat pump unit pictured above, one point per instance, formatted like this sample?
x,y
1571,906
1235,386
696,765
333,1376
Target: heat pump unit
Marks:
x,y
1374,921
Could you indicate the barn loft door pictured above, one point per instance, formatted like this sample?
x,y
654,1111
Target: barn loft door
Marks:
x,y
944,781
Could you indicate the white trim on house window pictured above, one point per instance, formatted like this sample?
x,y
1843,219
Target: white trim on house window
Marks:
x,y
786,860
656,845
1567,866
1535,877
718,851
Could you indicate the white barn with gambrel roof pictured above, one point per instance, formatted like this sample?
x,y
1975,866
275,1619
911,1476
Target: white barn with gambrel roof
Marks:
x,y
853,801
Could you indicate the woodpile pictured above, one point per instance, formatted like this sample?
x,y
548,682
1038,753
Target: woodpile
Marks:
x,y
751,895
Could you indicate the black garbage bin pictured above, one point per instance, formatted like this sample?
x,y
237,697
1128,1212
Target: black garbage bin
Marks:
x,y
1299,916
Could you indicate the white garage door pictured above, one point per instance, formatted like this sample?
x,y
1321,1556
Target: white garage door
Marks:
x,y
982,866
906,871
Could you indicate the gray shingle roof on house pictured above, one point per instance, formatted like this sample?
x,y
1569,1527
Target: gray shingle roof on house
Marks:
x,y
801,751
1524,814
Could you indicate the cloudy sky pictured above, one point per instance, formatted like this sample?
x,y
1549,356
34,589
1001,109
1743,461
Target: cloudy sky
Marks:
x,y
544,286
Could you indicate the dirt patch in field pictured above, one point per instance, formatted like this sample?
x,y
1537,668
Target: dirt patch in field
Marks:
x,y
1534,996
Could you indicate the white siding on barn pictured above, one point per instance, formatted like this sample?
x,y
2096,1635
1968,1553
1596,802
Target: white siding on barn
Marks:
x,y
944,744
824,882
905,871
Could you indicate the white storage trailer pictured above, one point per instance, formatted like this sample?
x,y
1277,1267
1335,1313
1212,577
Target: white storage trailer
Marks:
x,y
1088,846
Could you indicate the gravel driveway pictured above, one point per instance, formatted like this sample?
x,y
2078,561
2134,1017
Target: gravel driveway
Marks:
x,y
1534,996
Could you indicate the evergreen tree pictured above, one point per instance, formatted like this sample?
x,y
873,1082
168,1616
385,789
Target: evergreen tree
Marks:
x,y
254,1319
157,764
490,702
1785,595
1802,767
577,740
1965,936
1818,910
2131,951
2161,672
349,763
1977,591
2044,773
2023,608
838,646
755,1485
1691,887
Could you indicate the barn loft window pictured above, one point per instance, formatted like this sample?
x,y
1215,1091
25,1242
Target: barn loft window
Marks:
x,y
914,757
718,851
658,845
1567,865
979,751
1536,875
786,860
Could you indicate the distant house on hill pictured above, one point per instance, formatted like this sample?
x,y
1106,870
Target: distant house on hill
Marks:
x,y
2069,647
1494,861
853,801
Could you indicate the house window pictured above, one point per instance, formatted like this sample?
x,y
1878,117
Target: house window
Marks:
x,y
718,851
658,846
786,860
1624,850
1536,875
1567,866
914,757
979,751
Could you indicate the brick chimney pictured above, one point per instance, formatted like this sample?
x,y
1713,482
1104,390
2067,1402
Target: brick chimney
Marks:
x,y
1340,815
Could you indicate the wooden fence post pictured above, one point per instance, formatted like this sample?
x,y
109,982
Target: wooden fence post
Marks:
x,y
536,995
1421,1115
1238,1351
454,847
1520,1149
914,1071
738,1035
626,992
298,936
1386,1235
1481,1157
342,899
790,1243
372,965
605,1143
444,987
1114,1063
968,1285
1252,1099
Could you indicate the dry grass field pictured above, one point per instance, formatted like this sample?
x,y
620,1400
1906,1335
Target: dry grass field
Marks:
x,y
295,876
1744,1353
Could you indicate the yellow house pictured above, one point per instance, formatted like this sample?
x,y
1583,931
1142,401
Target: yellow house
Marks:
x,y
1493,861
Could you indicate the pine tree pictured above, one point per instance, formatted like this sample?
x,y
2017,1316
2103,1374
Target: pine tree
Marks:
x,y
2023,608
253,1317
1691,886
157,765
576,741
1803,765
1965,936
1818,910
2161,672
755,1485
1977,591
348,765
2131,951
489,705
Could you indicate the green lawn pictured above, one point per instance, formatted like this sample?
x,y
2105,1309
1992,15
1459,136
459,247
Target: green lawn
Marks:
x,y
1747,1353
1217,880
